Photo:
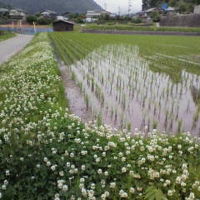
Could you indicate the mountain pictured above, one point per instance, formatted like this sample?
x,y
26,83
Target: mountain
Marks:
x,y
60,6
3,5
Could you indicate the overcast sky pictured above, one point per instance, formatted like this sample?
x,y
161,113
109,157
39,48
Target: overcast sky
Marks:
x,y
114,5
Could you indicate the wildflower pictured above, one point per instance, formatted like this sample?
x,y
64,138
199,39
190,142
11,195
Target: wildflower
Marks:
x,y
124,170
65,188
132,190
112,185
123,194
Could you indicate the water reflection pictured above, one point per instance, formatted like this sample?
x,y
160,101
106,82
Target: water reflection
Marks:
x,y
123,90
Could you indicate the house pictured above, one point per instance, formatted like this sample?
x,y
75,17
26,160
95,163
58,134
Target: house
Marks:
x,y
17,14
169,11
93,16
60,17
49,14
197,9
4,11
63,25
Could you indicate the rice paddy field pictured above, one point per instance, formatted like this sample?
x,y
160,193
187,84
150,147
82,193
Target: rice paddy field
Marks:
x,y
132,27
48,153
136,82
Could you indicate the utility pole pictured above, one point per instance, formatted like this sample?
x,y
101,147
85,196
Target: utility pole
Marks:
x,y
129,7
119,10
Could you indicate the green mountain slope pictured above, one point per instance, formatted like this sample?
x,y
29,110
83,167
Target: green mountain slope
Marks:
x,y
60,6
3,5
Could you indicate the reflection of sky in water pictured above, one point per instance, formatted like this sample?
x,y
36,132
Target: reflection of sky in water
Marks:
x,y
121,88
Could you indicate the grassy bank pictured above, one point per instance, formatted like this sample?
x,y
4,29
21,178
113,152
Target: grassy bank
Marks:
x,y
123,27
47,153
5,35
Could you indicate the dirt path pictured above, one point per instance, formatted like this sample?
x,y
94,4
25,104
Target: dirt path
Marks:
x,y
10,47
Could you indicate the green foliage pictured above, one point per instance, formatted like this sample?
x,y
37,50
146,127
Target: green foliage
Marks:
x,y
183,6
5,35
44,21
136,20
155,16
153,193
30,19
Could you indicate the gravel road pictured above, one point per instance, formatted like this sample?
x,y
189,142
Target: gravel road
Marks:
x,y
10,47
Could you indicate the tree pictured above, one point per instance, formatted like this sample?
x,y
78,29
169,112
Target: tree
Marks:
x,y
44,21
30,19
155,16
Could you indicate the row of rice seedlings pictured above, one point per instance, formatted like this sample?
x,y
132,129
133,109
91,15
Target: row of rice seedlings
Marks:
x,y
116,81
140,91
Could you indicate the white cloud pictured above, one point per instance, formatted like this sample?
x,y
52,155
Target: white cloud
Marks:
x,y
122,5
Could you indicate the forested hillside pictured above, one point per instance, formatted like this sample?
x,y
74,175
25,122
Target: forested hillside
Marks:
x,y
3,5
59,6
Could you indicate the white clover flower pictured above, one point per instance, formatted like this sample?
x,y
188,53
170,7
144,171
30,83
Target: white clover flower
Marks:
x,y
123,159
106,173
65,188
61,173
112,144
38,165
72,155
1,195
82,180
99,171
150,157
170,193
112,185
7,173
124,170
191,196
53,167
97,160
81,185
132,190
83,167
179,146
3,187
84,192
123,194
153,174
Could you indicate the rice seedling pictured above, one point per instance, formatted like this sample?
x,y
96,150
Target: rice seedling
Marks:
x,y
141,89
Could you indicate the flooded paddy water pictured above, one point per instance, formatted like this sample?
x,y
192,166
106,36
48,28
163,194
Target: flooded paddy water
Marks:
x,y
124,90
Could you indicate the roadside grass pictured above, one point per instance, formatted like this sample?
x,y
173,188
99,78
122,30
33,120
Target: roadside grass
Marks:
x,y
48,153
5,35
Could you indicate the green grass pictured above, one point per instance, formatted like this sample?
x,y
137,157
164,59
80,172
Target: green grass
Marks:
x,y
75,46
127,27
5,35
47,153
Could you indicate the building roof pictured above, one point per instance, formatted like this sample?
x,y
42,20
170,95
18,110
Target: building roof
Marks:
x,y
3,10
63,20
170,9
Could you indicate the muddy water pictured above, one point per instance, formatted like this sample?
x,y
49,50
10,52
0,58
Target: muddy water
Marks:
x,y
121,91
73,94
